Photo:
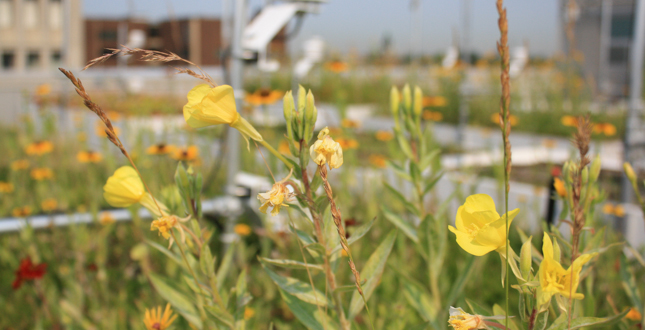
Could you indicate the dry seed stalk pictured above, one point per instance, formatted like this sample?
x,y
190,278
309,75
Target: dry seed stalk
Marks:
x,y
504,109
581,140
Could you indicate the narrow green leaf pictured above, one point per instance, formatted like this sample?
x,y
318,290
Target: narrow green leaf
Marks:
x,y
400,171
372,272
182,304
432,183
356,235
461,280
420,300
243,298
310,315
222,315
415,173
293,264
426,160
167,252
301,290
562,322
405,227
401,198
476,308
225,266
206,261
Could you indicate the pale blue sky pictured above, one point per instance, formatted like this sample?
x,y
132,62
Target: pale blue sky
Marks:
x,y
360,24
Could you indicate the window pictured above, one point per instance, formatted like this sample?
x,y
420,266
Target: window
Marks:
x,y
33,59
30,11
56,57
55,15
618,55
622,26
8,60
154,32
6,14
108,35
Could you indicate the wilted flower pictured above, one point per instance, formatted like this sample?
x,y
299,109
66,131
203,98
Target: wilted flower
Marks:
x,y
155,320
166,223
43,173
186,154
326,150
160,149
554,279
39,148
213,106
461,320
20,212
28,271
558,184
378,161
125,188
242,229
6,187
49,204
278,196
89,156
21,164
264,96
480,229
384,136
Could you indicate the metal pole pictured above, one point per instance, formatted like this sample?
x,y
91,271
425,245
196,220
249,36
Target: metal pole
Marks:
x,y
635,98
605,43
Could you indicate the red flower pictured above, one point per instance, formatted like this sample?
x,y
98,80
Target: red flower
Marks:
x,y
28,271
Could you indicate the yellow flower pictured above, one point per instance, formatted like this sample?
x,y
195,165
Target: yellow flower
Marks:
x,y
604,128
348,123
283,148
336,66
113,115
619,211
264,96
480,229
166,223
21,164
558,184
248,313
461,320
634,315
432,115
40,174
554,279
378,161
154,320
100,129
384,136
326,150
160,149
213,106
39,148
106,218
20,212
6,187
88,156
347,143
43,90
125,188
49,204
278,196
549,143
186,154
569,121
434,101
242,229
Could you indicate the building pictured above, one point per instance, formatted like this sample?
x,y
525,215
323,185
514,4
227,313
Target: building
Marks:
x,y
195,39
40,34
603,33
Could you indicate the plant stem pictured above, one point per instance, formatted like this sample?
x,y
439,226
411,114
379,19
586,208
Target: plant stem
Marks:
x,y
276,153
183,255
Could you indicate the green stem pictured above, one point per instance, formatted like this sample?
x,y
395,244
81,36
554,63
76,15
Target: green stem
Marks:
x,y
276,153
183,255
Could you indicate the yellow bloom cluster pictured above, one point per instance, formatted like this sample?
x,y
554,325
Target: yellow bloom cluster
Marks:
x,y
326,150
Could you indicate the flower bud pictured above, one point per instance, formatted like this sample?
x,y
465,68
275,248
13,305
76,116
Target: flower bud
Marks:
x,y
310,117
288,107
595,168
418,101
407,98
526,259
631,175
300,127
585,175
395,104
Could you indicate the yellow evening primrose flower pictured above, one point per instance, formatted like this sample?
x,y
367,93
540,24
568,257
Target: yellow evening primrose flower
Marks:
x,y
480,229
154,320
554,279
461,320
166,223
278,196
125,188
213,106
326,150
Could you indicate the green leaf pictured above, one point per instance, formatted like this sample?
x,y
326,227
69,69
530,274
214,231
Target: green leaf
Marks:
x,y
420,300
225,266
405,145
401,198
405,227
498,310
541,321
206,261
432,183
427,159
243,298
312,316
372,272
316,181
293,264
167,252
400,171
182,304
562,322
309,242
356,235
321,202
300,290
415,173
461,280
222,315
476,308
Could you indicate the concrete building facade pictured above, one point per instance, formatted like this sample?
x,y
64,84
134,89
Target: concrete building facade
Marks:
x,y
40,34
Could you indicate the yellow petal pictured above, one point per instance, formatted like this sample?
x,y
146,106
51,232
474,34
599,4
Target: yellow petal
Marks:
x,y
124,188
547,247
210,106
494,234
479,202
469,245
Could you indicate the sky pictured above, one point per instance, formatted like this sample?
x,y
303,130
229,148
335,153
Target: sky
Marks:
x,y
360,25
